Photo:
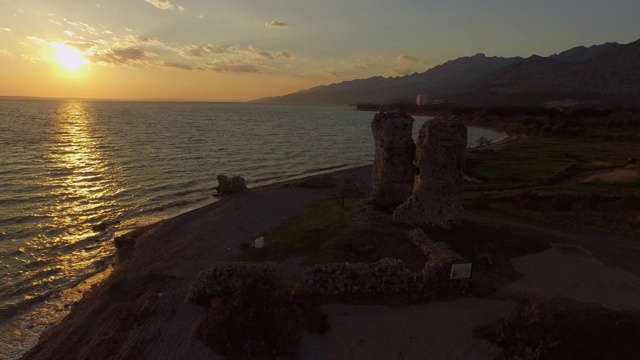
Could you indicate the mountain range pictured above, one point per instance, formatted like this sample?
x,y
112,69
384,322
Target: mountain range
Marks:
x,y
599,74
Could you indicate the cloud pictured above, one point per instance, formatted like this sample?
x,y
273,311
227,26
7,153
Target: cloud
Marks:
x,y
408,65
202,50
180,66
84,27
163,4
119,56
82,46
233,66
4,53
4,29
284,54
406,59
277,25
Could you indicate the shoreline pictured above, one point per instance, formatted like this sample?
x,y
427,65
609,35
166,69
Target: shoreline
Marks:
x,y
147,233
165,260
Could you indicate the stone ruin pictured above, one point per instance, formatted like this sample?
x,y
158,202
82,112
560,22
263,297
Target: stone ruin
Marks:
x,y
220,279
436,271
393,170
437,191
387,276
432,170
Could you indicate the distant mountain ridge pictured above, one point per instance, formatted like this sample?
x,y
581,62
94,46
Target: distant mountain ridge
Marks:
x,y
606,73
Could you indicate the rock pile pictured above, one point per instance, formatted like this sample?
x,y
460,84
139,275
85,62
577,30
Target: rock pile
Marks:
x,y
393,169
437,191
220,279
387,276
124,241
227,185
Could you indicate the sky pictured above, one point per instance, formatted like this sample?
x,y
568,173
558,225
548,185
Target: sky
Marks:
x,y
239,50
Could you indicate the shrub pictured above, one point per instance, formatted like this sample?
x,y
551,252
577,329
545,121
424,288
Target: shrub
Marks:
x,y
257,321
521,333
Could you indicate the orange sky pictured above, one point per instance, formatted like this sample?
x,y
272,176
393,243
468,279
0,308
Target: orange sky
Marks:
x,y
247,49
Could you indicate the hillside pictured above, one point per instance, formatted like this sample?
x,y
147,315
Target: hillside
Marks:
x,y
607,73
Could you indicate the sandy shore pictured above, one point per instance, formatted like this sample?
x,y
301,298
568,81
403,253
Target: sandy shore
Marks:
x,y
140,312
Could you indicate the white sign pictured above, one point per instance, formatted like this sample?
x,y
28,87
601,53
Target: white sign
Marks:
x,y
460,271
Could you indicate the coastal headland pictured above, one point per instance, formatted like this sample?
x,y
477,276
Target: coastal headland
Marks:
x,y
140,312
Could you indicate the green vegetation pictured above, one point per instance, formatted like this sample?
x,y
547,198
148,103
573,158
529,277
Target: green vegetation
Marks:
x,y
324,234
490,247
583,177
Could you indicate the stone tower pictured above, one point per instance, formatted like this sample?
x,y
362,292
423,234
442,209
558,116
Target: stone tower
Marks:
x,y
393,169
437,191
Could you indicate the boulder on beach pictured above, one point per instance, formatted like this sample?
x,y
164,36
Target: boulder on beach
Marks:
x,y
227,185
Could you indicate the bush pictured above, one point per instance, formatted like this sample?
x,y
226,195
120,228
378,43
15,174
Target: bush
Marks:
x,y
521,332
258,321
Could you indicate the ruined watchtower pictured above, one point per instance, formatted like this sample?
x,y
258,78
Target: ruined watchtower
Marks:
x,y
437,191
393,169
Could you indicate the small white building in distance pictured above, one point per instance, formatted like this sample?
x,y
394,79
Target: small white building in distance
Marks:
x,y
421,100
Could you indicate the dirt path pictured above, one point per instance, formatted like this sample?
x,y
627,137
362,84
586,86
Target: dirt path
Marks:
x,y
614,251
585,267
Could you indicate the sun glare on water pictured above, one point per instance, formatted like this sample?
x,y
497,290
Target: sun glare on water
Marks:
x,y
69,57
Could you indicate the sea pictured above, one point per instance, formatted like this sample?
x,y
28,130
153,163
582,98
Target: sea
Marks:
x,y
76,173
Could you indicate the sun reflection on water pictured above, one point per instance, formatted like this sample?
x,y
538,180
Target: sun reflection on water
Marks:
x,y
81,183
77,215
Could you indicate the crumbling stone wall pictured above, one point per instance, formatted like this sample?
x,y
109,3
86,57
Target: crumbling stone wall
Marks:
x,y
393,169
387,276
220,278
437,191
437,268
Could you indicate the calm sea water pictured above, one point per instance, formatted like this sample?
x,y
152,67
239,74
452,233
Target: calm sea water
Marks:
x,y
74,174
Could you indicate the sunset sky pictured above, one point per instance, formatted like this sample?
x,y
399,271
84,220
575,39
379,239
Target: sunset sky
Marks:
x,y
245,49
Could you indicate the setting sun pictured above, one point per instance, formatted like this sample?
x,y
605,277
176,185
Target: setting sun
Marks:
x,y
69,57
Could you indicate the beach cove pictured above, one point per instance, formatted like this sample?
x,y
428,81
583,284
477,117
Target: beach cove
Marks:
x,y
84,172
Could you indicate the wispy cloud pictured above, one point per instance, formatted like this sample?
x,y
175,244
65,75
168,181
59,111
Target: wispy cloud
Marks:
x,y
411,60
4,53
164,5
277,24
181,66
119,56
408,65
5,29
202,50
233,66
82,46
